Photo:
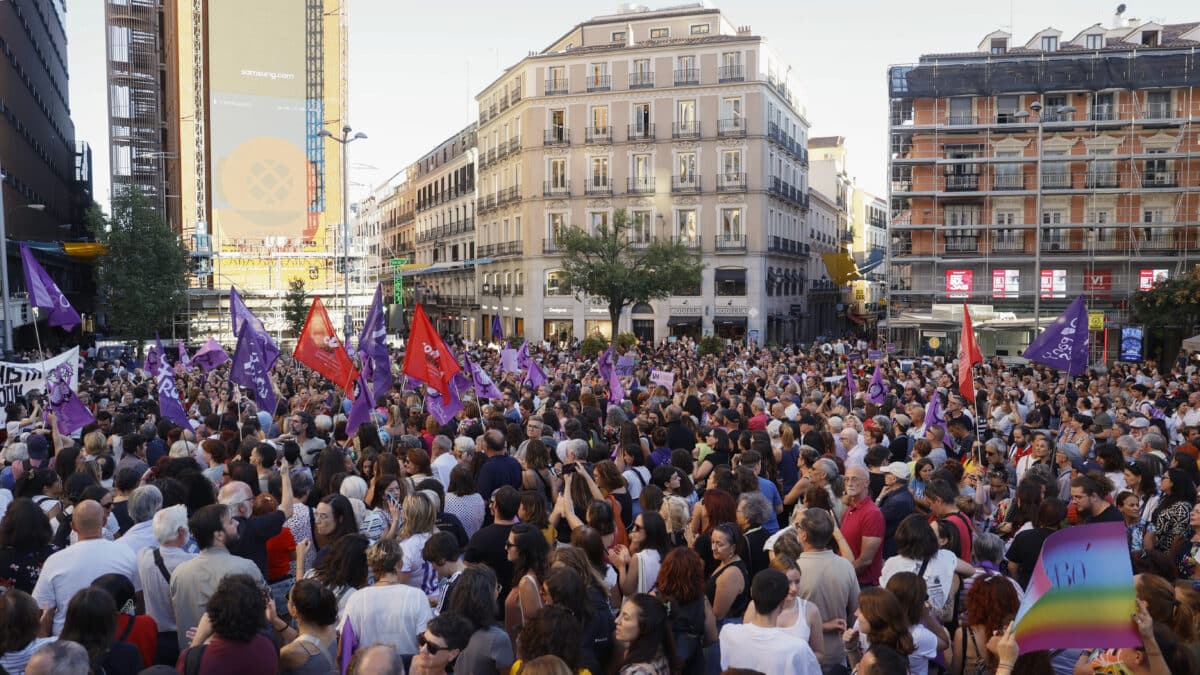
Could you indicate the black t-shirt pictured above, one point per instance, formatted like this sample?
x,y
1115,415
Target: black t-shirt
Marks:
x,y
120,511
1108,515
253,534
875,486
1025,549
487,546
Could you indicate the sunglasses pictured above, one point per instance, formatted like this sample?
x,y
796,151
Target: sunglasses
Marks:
x,y
423,641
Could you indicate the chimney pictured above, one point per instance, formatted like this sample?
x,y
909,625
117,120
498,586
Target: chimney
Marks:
x,y
743,30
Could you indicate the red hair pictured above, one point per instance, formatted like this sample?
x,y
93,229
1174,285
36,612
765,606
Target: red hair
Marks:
x,y
681,575
719,507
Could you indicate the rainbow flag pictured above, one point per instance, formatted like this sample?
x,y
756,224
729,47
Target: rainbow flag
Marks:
x,y
1081,594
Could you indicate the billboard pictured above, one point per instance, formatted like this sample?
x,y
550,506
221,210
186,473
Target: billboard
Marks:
x,y
262,173
1131,344
1054,284
1098,282
1147,278
1006,283
958,283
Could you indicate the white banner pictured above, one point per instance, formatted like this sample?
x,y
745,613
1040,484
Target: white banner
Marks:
x,y
18,379
665,378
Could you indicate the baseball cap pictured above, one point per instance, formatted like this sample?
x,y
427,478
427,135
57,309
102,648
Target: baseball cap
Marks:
x,y
1139,423
897,469
38,446
1087,467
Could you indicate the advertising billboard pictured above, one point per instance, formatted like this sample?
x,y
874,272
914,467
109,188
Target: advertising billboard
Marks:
x,y
1098,282
262,175
1131,344
1147,278
1006,283
959,283
1054,284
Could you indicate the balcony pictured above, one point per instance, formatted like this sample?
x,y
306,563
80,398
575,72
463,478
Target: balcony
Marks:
x,y
1008,181
502,249
1101,113
962,182
1009,245
641,132
599,83
961,120
550,246
1159,179
515,95
690,243
514,145
1160,111
962,245
557,136
690,129
556,87
598,189
559,188
686,76
1060,180
731,74
504,103
732,126
639,80
599,134
640,240
731,243
492,110
1102,179
731,182
491,156
510,195
640,185
685,184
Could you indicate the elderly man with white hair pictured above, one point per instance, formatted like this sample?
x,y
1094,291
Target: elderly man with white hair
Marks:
x,y
856,450
155,565
144,502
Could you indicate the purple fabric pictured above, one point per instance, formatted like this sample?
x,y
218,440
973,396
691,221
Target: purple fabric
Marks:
x,y
877,390
250,370
360,412
497,328
933,412
508,361
1064,344
535,376
168,396
523,359
372,347
243,318
624,366
69,412
183,356
348,645
442,409
211,355
484,386
45,295
609,373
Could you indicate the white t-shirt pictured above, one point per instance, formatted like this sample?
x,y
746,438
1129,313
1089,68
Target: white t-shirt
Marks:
x,y
393,615
926,643
648,564
939,574
420,572
759,648
75,567
633,485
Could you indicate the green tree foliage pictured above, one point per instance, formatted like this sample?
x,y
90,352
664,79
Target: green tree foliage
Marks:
x,y
1171,303
592,346
295,306
711,344
607,265
142,279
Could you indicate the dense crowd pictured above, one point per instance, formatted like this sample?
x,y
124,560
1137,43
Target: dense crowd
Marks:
x,y
758,515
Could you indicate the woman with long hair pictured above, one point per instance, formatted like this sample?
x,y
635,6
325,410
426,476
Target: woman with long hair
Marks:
x,y
929,636
528,553
715,508
333,519
139,630
614,489
25,536
1170,519
387,495
344,570
419,516
689,612
91,621
638,566
721,454
728,587
991,604
474,598
879,620
800,618
642,626
533,511
1139,478
537,475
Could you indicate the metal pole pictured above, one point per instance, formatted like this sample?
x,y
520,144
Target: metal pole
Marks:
x,y
1037,252
349,325
8,333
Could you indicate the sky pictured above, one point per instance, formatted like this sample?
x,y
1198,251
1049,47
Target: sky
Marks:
x,y
415,66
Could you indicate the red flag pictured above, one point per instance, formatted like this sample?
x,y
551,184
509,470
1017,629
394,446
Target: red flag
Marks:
x,y
427,359
320,349
968,355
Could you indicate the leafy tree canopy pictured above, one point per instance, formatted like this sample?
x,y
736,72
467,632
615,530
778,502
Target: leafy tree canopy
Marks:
x,y
1172,302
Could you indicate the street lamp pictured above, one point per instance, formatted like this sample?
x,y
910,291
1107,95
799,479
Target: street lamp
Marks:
x,y
345,139
1036,107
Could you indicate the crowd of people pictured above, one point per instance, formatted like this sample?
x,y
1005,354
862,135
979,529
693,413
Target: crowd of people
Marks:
x,y
758,515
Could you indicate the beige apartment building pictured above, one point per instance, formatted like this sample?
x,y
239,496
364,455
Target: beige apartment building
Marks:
x,y
682,119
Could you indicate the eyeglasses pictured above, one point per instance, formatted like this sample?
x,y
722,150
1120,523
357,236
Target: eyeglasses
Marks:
x,y
509,544
424,642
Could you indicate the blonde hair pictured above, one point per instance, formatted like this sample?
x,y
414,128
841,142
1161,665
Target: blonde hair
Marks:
x,y
94,443
419,516
182,449
674,512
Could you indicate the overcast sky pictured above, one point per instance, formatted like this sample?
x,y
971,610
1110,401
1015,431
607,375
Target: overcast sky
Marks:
x,y
415,66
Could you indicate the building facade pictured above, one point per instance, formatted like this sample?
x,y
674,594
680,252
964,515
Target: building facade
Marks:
x,y
686,122
46,172
1023,176
443,274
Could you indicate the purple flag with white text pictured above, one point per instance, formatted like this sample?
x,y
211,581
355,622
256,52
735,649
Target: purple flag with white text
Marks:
x,y
211,355
45,295
484,385
70,414
1064,343
169,404
360,411
243,318
442,409
250,370
183,356
877,390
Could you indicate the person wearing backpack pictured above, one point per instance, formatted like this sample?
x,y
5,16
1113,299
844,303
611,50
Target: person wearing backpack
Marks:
x,y
941,496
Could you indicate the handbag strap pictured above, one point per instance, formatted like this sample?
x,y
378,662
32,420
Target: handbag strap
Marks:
x,y
161,565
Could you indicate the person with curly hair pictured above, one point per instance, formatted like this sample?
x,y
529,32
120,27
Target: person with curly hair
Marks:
x,y
229,639
388,611
689,612
25,536
991,604
553,630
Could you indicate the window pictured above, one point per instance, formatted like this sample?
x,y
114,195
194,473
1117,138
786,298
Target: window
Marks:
x,y
641,118
686,114
961,223
686,229
120,100
730,281
1158,105
731,108
1103,172
1055,174
1053,238
600,120
1006,109
660,33
641,169
556,283
598,76
558,78
687,168
999,45
731,224
961,110
1100,236
1155,235
1157,173
1150,38
731,59
640,227
118,43
1008,174
558,173
600,172
1102,106
598,219
558,124
1049,43
1094,41
700,29
618,36
555,224
731,164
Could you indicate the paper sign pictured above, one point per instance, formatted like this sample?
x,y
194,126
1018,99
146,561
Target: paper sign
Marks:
x,y
1095,320
625,366
874,354
662,377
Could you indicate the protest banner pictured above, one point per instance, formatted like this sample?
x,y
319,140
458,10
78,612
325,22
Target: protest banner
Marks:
x,y
666,379
1081,594
17,380
625,366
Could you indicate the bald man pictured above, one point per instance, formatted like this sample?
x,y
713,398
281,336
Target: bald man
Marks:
x,y
78,565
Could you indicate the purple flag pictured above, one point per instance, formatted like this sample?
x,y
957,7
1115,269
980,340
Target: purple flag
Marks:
x,y
535,376
243,318
411,383
1064,344
372,347
183,356
69,412
877,390
933,412
851,385
250,371
169,404
211,355
523,359
44,293
484,386
609,372
442,409
508,361
360,411
497,328
624,366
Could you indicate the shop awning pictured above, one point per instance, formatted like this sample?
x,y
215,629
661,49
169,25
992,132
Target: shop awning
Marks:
x,y
841,267
683,320
730,320
856,319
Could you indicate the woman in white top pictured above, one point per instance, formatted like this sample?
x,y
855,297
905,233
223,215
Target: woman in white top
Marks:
x,y
387,611
918,552
420,520
464,501
800,618
637,566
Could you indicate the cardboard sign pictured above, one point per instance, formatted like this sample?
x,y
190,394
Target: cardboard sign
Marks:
x,y
662,377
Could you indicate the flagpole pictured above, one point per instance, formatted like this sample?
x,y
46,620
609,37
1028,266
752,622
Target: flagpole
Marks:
x,y
37,335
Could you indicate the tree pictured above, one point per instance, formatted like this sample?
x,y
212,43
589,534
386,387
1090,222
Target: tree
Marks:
x,y
295,306
141,278
1170,303
607,265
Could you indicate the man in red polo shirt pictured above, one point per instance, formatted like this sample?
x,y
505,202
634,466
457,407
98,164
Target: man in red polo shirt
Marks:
x,y
941,496
863,527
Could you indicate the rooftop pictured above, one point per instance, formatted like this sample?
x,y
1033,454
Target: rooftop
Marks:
x,y
826,141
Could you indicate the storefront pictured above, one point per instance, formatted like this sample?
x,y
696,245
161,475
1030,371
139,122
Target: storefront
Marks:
x,y
642,322
559,330
684,326
598,327
730,327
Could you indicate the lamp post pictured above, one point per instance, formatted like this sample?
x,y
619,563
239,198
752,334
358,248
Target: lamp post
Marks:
x,y
345,139
1036,107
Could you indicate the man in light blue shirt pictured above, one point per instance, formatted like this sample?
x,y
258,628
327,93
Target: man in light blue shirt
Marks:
x,y
753,461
